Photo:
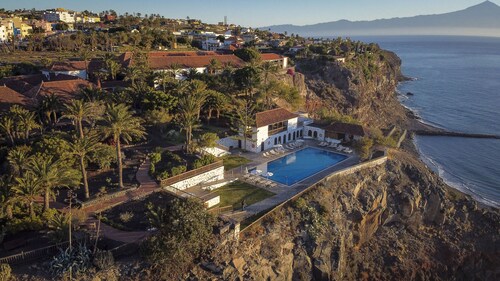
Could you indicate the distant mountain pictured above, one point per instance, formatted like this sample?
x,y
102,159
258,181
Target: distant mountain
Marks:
x,y
480,20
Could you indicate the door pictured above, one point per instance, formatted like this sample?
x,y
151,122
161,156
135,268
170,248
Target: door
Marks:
x,y
262,146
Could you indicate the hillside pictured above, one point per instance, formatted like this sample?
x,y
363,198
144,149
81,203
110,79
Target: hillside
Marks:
x,y
479,20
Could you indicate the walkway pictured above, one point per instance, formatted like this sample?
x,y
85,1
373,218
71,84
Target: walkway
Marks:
x,y
118,235
147,185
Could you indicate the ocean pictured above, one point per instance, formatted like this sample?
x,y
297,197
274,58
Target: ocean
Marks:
x,y
456,86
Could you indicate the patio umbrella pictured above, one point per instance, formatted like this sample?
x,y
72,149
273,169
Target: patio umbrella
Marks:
x,y
246,170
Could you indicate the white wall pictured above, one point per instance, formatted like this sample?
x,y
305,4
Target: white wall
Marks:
x,y
320,132
213,175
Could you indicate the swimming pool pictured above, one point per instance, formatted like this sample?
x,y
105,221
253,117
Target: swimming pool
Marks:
x,y
297,166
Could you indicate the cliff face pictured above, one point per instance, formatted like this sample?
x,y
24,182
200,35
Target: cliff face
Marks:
x,y
363,87
394,222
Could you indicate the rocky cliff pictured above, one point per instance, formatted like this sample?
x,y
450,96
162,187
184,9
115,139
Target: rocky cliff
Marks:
x,y
363,87
394,222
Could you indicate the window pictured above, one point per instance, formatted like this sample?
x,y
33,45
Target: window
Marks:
x,y
277,128
309,133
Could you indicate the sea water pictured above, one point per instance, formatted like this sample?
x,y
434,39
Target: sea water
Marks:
x,y
456,86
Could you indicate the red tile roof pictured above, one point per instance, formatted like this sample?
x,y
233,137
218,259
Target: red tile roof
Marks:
x,y
10,97
66,90
24,83
270,56
164,60
92,65
273,116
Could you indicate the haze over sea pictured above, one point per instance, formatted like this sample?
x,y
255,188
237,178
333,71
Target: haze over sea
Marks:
x,y
456,87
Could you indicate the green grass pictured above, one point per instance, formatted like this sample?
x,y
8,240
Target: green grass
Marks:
x,y
234,193
233,161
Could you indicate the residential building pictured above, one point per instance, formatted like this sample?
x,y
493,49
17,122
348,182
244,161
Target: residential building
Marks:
x,y
211,44
335,131
59,15
9,97
91,19
7,31
66,90
74,68
184,61
279,60
249,37
273,127
42,24
4,37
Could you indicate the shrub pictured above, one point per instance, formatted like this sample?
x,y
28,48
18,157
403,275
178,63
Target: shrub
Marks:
x,y
5,272
203,161
363,146
126,216
78,259
155,157
163,175
178,170
208,140
103,259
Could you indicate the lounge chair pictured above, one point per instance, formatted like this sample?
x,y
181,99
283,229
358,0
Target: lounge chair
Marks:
x,y
272,152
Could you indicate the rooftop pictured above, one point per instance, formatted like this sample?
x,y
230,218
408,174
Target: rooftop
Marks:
x,y
10,97
272,116
66,90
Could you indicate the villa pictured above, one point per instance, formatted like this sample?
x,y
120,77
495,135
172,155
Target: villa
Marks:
x,y
272,127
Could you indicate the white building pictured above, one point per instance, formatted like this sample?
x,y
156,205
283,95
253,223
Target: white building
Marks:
x,y
3,34
273,127
211,44
335,132
279,60
59,15
6,30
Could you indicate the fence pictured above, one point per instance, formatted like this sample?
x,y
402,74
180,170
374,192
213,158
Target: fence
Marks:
x,y
192,173
346,171
107,197
220,210
32,255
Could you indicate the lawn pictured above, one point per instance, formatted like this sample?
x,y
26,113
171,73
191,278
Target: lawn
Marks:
x,y
234,193
233,161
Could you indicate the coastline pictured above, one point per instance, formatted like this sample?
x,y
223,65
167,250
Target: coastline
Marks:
x,y
415,124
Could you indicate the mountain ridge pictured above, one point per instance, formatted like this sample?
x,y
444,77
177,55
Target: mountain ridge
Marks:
x,y
482,20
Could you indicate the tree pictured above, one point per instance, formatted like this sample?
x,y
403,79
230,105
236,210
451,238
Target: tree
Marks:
x,y
86,55
246,79
113,68
52,173
7,127
81,148
48,108
213,66
26,190
77,110
187,117
215,101
184,232
243,118
19,158
268,68
248,54
132,74
120,124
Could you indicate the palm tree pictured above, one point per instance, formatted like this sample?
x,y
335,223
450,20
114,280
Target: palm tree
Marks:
x,y
86,55
51,174
48,107
113,68
26,190
187,117
163,77
7,199
8,128
132,74
19,158
81,147
27,123
244,118
213,66
268,68
215,101
197,91
77,111
120,124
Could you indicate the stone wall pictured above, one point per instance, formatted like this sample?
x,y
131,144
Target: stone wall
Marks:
x,y
212,175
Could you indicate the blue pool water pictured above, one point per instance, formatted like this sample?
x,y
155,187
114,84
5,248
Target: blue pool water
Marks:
x,y
300,165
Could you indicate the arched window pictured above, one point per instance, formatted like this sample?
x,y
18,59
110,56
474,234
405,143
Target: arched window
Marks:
x,y
293,135
315,134
301,133
279,139
289,136
275,141
309,133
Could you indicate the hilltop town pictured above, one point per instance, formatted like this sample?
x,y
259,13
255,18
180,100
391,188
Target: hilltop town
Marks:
x,y
136,147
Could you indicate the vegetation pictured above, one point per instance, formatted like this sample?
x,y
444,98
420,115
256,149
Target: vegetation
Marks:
x,y
184,233
233,161
235,193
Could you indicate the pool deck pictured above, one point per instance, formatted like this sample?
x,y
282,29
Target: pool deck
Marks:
x,y
284,192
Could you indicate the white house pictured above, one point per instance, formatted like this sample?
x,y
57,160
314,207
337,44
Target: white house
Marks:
x,y
211,44
279,60
273,127
59,15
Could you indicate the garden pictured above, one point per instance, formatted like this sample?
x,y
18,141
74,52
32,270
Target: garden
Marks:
x,y
235,193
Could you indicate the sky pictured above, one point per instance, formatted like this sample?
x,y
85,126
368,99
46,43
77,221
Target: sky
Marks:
x,y
256,13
